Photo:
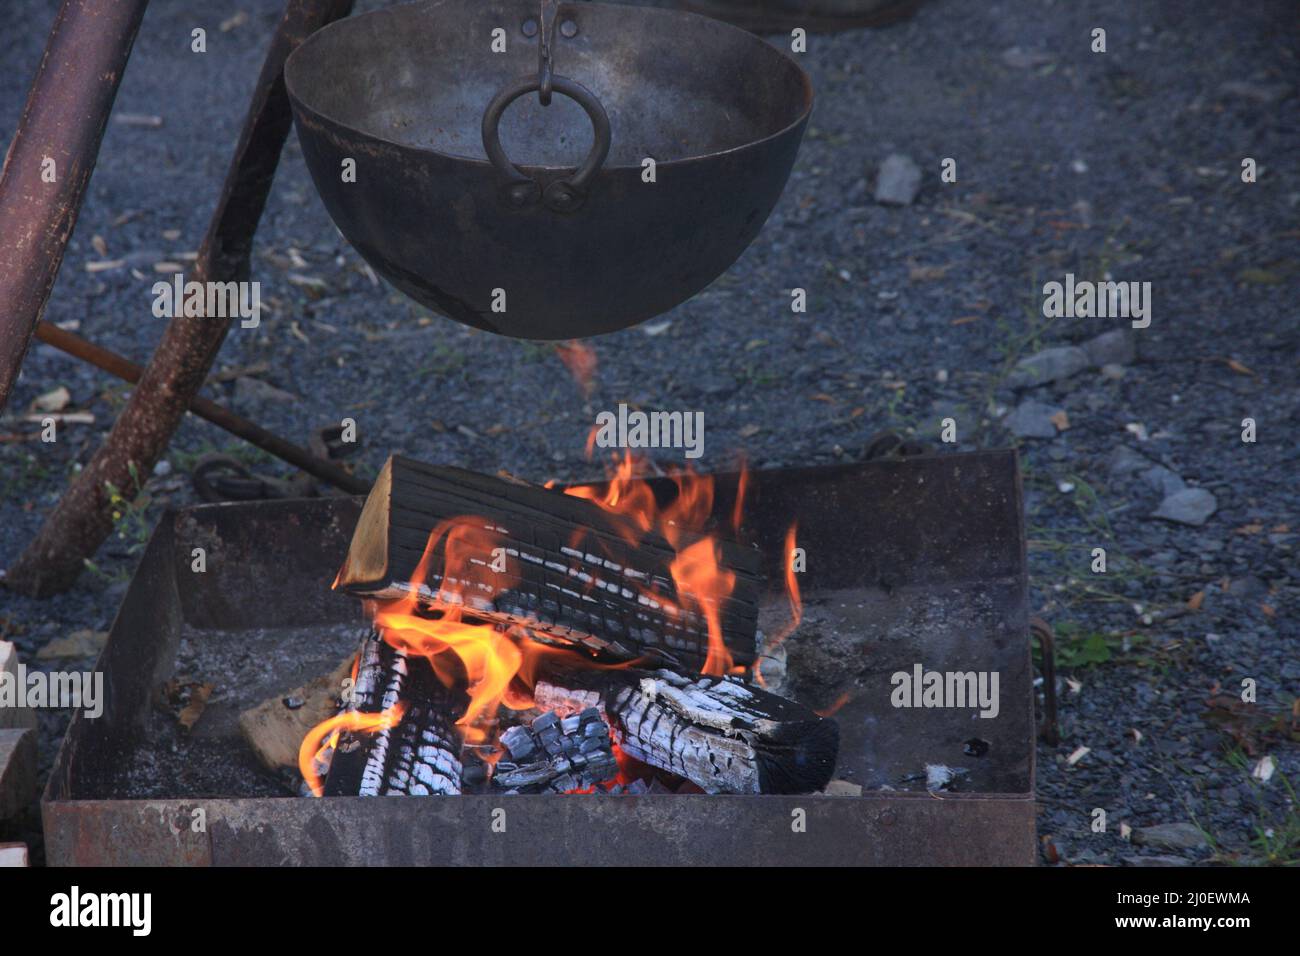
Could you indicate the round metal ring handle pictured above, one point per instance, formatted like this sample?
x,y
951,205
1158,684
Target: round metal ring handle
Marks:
x,y
562,195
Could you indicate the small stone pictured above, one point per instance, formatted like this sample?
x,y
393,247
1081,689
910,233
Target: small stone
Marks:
x,y
898,181
1170,836
1049,365
252,391
1032,420
1247,586
1113,372
1163,480
79,644
1155,861
1191,506
1022,59
1124,460
1111,348
53,401
843,788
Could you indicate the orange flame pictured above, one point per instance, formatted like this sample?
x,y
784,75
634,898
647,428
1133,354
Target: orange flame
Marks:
x,y
488,656
791,589
834,708
702,582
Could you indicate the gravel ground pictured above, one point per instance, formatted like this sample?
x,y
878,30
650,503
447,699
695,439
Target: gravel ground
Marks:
x,y
1068,161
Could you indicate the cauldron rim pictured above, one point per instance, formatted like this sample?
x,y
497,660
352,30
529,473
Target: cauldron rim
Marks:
x,y
299,103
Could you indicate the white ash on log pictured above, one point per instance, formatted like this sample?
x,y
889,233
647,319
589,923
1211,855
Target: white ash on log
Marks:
x,y
569,578
417,757
556,754
722,734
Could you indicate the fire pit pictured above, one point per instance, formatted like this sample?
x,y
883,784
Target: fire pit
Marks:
x,y
913,566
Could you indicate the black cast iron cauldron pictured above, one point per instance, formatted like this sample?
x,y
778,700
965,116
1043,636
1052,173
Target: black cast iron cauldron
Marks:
x,y
462,204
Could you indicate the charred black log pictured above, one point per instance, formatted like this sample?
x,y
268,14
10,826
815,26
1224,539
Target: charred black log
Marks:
x,y
722,734
567,574
419,756
556,755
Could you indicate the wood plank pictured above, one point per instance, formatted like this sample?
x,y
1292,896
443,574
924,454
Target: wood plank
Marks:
x,y
275,727
13,854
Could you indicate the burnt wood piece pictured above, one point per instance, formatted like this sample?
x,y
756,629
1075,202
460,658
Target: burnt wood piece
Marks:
x,y
722,734
78,525
51,158
590,595
556,754
420,755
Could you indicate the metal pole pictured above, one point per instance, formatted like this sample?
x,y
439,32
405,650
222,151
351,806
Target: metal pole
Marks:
x,y
81,521
51,158
238,426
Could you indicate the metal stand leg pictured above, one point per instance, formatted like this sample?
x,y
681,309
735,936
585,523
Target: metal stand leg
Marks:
x,y
180,364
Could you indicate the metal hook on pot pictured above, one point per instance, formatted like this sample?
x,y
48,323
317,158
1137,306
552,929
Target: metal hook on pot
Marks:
x,y
566,194
549,13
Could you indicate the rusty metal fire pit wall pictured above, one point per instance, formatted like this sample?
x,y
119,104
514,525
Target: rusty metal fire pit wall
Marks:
x,y
909,563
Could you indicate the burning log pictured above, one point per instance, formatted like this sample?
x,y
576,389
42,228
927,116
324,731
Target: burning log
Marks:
x,y
556,754
419,756
564,572
722,734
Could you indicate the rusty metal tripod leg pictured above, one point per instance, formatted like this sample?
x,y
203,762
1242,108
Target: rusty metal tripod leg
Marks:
x,y
180,364
51,159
